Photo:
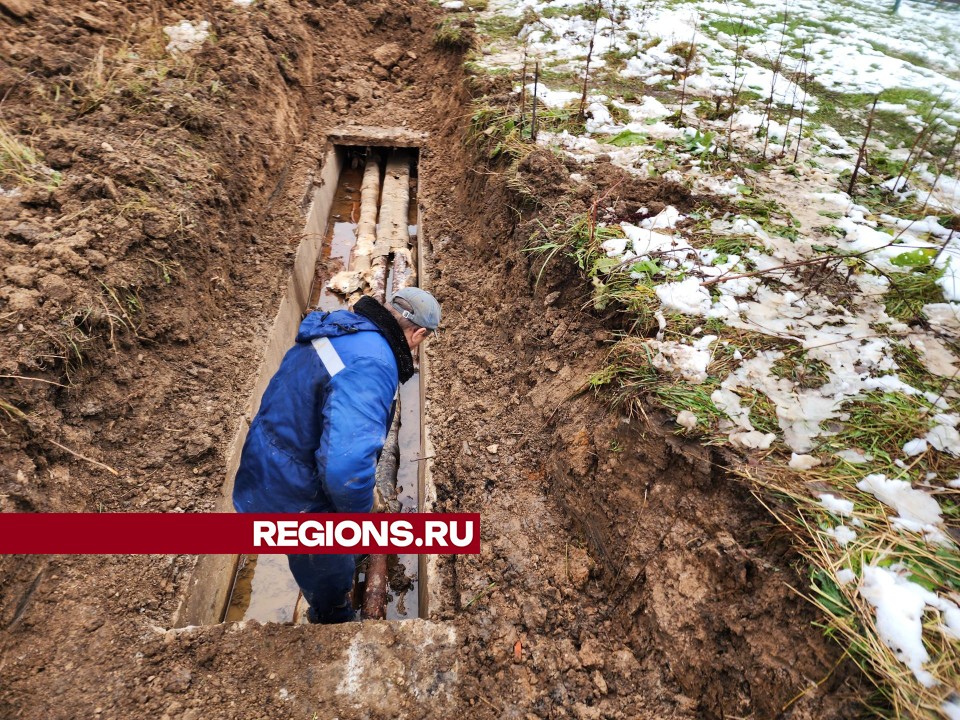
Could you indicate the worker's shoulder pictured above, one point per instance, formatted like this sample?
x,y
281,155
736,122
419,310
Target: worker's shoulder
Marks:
x,y
366,349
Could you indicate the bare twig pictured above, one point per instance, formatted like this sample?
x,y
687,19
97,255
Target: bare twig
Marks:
x,y
533,119
787,266
777,66
863,146
793,104
941,168
32,379
803,103
691,51
943,247
735,89
586,71
83,457
523,93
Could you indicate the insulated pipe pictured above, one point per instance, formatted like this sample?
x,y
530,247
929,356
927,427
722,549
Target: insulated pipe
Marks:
x,y
404,270
392,231
393,237
367,223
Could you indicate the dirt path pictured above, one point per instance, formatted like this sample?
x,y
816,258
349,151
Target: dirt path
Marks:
x,y
622,575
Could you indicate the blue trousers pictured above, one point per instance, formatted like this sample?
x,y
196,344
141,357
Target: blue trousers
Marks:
x,y
326,582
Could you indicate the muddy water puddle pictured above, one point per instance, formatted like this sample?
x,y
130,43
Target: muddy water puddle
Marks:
x,y
264,590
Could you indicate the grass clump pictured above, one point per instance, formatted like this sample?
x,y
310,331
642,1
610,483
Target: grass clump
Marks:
x,y
451,35
804,371
909,292
734,27
880,423
495,131
20,163
504,27
836,573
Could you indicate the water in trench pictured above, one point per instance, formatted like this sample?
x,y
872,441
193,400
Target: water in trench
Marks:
x,y
264,590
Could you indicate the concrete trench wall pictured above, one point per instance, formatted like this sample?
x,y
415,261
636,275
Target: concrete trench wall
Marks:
x,y
207,593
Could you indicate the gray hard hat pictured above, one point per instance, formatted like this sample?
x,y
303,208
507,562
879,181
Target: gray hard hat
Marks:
x,y
424,308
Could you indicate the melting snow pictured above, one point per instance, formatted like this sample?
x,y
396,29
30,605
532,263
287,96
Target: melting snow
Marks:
x,y
845,576
900,605
842,534
916,510
838,506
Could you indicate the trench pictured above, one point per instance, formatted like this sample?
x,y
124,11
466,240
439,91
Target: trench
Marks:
x,y
261,588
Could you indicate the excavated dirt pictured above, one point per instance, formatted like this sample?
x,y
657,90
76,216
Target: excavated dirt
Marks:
x,y
622,575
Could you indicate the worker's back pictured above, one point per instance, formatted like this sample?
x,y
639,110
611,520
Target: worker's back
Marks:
x,y
322,421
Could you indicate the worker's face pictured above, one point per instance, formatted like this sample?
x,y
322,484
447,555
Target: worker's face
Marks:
x,y
415,337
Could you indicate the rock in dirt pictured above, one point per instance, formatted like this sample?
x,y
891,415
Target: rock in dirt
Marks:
x,y
21,275
600,683
587,712
17,8
25,232
55,288
198,445
578,567
88,21
178,681
591,654
388,55
158,226
91,407
21,299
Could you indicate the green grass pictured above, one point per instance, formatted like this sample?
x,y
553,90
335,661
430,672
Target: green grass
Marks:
x,y
847,113
881,423
450,35
732,27
804,371
502,27
909,292
495,128
588,11
20,164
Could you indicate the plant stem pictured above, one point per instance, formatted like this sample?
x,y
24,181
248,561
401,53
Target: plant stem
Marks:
x,y
523,93
686,70
536,83
803,103
943,166
586,71
777,65
863,146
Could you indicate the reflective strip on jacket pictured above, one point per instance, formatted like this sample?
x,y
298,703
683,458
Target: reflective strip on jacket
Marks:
x,y
322,423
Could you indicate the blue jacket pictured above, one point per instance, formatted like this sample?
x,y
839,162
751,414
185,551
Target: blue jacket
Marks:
x,y
323,420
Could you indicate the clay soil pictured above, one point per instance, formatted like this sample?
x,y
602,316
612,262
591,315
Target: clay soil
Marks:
x,y
623,574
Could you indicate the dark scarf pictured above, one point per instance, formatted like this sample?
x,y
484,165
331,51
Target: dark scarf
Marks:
x,y
388,325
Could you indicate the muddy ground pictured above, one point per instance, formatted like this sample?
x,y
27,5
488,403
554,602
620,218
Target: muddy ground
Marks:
x,y
623,574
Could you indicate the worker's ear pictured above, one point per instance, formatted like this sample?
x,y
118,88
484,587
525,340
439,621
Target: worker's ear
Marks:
x,y
419,335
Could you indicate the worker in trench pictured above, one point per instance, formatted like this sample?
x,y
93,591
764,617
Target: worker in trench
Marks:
x,y
323,420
